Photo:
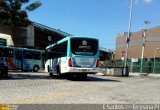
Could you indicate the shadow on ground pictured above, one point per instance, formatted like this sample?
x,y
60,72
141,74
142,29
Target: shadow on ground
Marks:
x,y
34,76
89,78
97,79
26,76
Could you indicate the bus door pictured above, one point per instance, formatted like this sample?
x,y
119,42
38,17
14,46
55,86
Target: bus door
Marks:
x,y
19,59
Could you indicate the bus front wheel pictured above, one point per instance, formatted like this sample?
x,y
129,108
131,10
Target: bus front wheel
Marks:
x,y
36,68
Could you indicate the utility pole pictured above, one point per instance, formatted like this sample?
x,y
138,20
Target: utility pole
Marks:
x,y
143,43
128,38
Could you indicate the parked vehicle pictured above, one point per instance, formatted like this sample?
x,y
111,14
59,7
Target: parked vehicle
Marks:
x,y
24,59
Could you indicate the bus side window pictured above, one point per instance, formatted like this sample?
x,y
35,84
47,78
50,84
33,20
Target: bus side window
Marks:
x,y
27,54
8,53
50,53
62,49
55,51
36,55
18,54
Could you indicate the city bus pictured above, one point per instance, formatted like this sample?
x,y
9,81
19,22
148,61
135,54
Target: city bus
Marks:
x,y
73,55
21,58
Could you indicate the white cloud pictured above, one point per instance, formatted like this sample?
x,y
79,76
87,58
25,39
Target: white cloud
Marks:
x,y
145,1
148,1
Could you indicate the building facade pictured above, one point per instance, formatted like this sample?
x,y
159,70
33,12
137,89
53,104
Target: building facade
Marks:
x,y
34,36
37,36
152,44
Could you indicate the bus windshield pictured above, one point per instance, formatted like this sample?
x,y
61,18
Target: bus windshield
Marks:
x,y
84,46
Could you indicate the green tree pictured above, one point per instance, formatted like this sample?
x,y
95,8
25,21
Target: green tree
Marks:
x,y
13,15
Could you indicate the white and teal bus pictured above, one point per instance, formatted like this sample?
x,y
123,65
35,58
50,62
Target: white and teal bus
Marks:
x,y
21,58
74,55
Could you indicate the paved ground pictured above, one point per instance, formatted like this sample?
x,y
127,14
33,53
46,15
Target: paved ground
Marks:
x,y
39,88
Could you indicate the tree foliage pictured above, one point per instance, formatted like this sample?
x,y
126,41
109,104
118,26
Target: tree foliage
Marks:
x,y
12,14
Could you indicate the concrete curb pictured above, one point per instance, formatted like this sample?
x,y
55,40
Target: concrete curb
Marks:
x,y
134,75
99,74
144,74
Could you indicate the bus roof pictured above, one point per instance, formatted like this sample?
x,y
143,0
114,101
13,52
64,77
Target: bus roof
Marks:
x,y
20,48
72,37
67,38
88,37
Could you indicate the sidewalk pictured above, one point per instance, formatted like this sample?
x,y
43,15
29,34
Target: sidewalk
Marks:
x,y
134,75
110,72
145,74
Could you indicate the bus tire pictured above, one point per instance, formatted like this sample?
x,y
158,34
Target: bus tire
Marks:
x,y
35,68
50,74
48,69
59,72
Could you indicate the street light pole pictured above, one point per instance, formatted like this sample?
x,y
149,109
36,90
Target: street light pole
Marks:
x,y
144,43
128,36
154,60
143,47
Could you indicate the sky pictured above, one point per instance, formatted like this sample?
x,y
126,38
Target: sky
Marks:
x,y
101,19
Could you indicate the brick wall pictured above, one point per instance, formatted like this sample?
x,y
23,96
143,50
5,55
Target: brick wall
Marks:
x,y
135,48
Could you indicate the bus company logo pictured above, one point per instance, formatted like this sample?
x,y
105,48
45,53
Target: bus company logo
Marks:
x,y
8,107
4,107
84,42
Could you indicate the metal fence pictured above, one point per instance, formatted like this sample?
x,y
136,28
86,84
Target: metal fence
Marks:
x,y
147,67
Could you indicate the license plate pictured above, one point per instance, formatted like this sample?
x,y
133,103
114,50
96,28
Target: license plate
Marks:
x,y
84,70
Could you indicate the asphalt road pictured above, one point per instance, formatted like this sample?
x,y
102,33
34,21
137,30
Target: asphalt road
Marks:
x,y
39,88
